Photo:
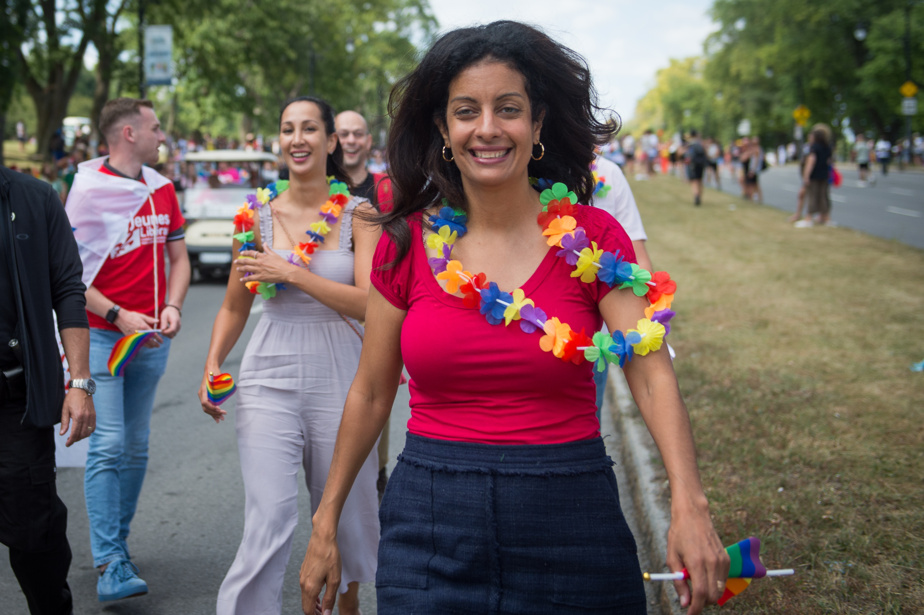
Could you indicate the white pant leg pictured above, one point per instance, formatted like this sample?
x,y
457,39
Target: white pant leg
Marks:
x,y
358,531
271,443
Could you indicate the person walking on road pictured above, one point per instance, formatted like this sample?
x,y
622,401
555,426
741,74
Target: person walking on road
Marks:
x,y
299,362
127,220
861,152
503,437
696,160
815,179
883,151
38,277
616,199
356,140
21,134
354,136
715,156
753,164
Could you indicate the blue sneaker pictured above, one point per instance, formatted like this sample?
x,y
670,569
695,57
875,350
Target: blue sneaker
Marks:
x,y
120,580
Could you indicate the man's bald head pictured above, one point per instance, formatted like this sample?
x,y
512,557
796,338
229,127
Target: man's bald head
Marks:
x,y
353,132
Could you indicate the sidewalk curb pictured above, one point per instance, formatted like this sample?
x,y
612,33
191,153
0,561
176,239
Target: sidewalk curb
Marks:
x,y
647,482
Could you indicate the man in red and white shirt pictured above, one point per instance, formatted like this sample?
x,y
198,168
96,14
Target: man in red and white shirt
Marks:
x,y
127,222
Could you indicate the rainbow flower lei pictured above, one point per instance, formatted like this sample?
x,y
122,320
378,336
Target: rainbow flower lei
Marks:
x,y
600,185
338,196
590,263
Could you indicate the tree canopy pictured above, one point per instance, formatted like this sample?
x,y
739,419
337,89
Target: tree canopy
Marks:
x,y
235,62
843,59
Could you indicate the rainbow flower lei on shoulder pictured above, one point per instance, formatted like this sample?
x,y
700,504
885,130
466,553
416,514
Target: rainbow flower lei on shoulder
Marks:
x,y
590,263
338,196
600,185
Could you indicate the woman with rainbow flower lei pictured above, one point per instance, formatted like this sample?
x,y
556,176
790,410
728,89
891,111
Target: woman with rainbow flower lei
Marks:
x,y
306,254
504,500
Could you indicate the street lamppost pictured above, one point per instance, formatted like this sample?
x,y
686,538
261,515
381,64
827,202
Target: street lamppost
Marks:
x,y
141,48
906,148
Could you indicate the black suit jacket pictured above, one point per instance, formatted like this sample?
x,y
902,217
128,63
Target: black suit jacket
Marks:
x,y
49,273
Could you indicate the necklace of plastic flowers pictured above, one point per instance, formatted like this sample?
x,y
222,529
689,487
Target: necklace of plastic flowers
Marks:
x,y
600,185
338,196
559,225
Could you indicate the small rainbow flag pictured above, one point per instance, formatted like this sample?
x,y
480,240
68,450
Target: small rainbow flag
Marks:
x,y
125,350
744,567
220,388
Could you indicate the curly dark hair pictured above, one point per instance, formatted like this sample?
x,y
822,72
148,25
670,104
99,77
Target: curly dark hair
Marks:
x,y
335,160
559,88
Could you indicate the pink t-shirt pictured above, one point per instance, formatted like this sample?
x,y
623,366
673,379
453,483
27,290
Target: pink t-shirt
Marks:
x,y
476,382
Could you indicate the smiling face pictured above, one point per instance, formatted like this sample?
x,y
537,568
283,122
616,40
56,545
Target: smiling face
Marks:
x,y
489,124
354,138
303,140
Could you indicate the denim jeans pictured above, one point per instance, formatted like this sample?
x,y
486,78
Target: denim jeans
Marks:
x,y
118,455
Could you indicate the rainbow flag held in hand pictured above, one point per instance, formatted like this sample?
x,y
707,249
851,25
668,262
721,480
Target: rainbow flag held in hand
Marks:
x,y
745,565
126,348
220,388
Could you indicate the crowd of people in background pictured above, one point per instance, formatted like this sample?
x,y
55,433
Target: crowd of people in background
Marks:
x,y
67,153
639,156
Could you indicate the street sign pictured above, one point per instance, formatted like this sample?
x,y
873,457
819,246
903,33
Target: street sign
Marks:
x,y
909,106
908,89
801,114
158,55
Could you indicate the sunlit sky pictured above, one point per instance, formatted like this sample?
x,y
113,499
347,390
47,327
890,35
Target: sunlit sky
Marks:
x,y
625,42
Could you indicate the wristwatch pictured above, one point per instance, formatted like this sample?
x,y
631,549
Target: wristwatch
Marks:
x,y
112,314
87,384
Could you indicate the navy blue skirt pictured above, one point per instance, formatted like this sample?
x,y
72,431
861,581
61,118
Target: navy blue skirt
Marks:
x,y
480,528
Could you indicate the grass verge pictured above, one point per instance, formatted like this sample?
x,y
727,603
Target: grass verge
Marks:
x,y
13,156
794,347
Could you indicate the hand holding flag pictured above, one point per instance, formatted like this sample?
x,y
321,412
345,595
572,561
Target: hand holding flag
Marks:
x,y
220,388
127,348
744,567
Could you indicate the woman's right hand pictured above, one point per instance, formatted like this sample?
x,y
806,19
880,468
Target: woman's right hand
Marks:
x,y
207,406
320,567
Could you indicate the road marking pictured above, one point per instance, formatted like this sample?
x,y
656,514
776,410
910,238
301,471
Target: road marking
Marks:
x,y
838,199
901,191
904,212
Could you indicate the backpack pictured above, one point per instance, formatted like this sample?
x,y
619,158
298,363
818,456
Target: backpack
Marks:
x,y
383,192
696,154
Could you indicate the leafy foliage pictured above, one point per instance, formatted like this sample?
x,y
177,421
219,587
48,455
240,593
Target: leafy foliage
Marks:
x,y
246,59
767,57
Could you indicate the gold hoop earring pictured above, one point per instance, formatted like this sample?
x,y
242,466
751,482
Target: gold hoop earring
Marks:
x,y
541,154
451,158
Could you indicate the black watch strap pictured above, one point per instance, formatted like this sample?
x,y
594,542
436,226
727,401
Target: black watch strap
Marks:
x,y
112,314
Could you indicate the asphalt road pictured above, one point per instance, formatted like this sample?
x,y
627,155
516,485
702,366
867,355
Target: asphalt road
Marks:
x,y
190,515
892,208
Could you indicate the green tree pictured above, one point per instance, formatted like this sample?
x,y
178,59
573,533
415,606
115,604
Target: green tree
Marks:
x,y
109,43
13,29
55,38
680,101
244,60
843,59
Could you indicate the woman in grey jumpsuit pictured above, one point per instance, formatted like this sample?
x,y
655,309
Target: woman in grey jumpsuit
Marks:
x,y
297,368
